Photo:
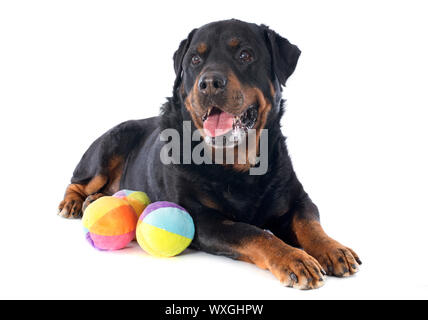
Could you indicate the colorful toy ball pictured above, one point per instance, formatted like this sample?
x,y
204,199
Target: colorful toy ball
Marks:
x,y
109,223
165,229
137,199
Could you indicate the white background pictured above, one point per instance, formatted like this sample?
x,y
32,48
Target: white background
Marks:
x,y
356,124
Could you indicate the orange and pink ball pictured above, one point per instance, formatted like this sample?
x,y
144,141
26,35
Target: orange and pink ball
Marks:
x,y
109,223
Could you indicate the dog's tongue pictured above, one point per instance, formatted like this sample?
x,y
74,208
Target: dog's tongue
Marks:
x,y
218,123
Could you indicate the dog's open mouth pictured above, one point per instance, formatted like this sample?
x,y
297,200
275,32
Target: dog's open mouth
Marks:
x,y
223,129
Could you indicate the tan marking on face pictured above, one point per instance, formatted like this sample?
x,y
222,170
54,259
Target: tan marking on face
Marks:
x,y
233,42
250,153
194,111
238,99
202,48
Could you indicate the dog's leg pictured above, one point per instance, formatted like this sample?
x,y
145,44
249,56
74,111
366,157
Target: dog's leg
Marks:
x,y
79,195
293,267
76,194
334,257
100,169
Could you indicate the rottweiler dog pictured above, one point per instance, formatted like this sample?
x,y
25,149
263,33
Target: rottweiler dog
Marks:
x,y
229,78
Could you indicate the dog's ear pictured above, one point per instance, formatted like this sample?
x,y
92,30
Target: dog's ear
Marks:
x,y
284,55
179,55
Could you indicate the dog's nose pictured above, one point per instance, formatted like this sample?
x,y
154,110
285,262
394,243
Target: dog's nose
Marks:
x,y
212,83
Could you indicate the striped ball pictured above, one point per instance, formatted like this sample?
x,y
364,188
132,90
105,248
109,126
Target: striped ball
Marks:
x,y
137,199
165,229
109,223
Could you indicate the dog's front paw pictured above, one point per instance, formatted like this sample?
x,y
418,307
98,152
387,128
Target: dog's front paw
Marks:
x,y
299,270
336,259
70,208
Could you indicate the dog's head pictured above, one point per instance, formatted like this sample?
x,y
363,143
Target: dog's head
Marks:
x,y
229,76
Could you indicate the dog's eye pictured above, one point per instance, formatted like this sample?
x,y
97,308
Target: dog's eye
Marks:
x,y
196,59
245,56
